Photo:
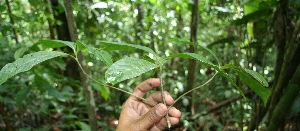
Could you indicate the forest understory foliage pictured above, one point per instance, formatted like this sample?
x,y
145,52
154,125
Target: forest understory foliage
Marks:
x,y
229,65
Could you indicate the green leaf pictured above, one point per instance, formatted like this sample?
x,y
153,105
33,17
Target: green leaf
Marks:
x,y
253,16
192,43
196,57
256,86
2,8
251,6
26,63
228,66
212,53
69,116
127,68
80,45
124,46
228,39
20,52
83,126
45,85
56,44
22,95
182,41
257,76
232,82
52,91
104,91
45,44
101,54
152,1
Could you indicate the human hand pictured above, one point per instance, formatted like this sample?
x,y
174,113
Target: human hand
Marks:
x,y
139,116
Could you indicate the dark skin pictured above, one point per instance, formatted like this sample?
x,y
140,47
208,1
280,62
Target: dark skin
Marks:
x,y
136,115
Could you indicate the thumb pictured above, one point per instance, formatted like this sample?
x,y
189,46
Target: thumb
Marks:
x,y
154,115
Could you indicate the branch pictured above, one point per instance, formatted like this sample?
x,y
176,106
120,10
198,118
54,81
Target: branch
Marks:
x,y
192,90
12,21
89,95
192,49
226,102
50,21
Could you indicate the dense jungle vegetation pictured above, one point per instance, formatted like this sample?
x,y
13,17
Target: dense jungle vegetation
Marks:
x,y
60,62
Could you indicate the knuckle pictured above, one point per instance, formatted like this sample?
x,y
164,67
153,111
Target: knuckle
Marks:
x,y
152,117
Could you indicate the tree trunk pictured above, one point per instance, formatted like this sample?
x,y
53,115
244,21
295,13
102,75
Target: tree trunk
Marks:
x,y
280,40
50,21
290,58
64,34
70,20
192,49
150,32
12,21
138,25
88,90
180,24
286,101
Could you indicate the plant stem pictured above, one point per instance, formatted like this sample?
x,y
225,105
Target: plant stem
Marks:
x,y
163,97
192,90
89,97
140,98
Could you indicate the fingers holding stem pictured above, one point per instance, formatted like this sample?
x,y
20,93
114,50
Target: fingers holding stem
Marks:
x,y
163,97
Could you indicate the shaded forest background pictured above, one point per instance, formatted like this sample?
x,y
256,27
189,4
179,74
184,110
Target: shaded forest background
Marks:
x,y
261,35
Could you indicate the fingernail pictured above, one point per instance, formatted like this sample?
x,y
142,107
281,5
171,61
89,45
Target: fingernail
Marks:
x,y
161,110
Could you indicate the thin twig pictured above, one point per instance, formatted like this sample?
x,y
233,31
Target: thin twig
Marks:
x,y
192,90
